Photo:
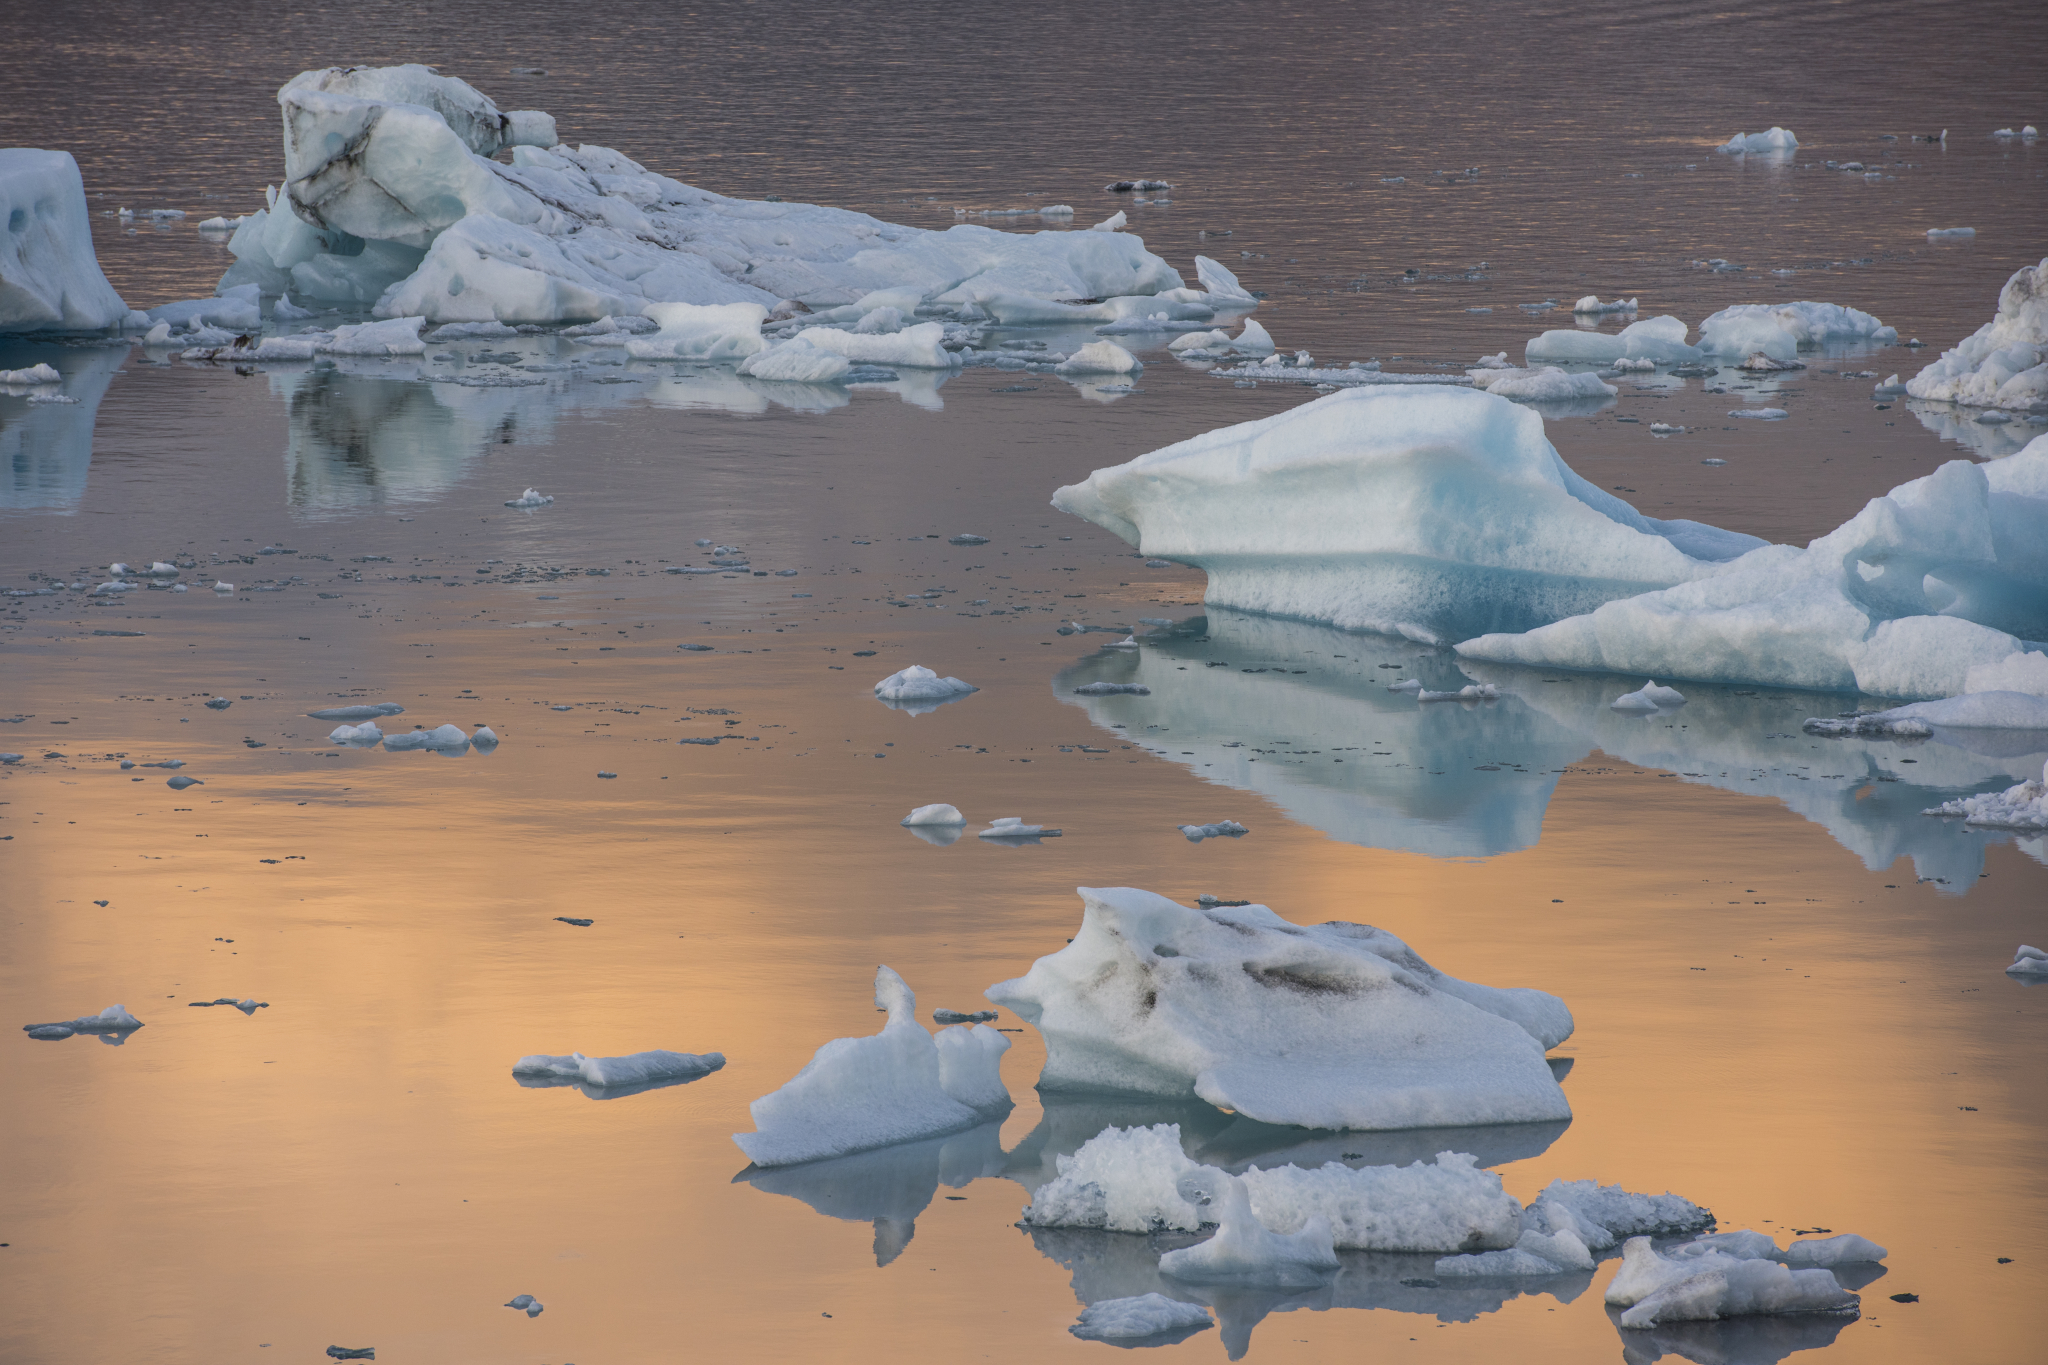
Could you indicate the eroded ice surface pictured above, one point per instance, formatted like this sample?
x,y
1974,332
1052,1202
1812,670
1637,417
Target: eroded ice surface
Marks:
x,y
2004,363
50,280
1142,1315
1336,1025
2024,806
1244,1250
2028,961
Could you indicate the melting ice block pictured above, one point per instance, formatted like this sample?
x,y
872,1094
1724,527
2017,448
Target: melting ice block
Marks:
x,y
1774,140
440,737
37,373
1648,697
895,1086
1659,339
1244,1250
694,331
2029,960
1591,304
1334,1025
532,497
937,814
1100,357
50,280
114,1019
920,684
1547,384
639,1068
367,734
359,711
2004,363
2024,806
391,337
1426,511
1743,1289
1013,827
1142,1315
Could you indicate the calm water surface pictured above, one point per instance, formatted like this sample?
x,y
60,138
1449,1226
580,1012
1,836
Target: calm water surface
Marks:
x,y
1786,980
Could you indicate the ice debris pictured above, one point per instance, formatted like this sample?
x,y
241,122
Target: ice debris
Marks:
x,y
367,735
1111,689
2024,806
1252,339
894,1086
1244,1250
1939,234
1142,1315
1591,304
1648,697
528,1303
2029,960
1543,384
1013,827
181,782
1335,1025
1469,692
1774,140
638,1068
937,814
440,737
1761,414
2004,363
53,279
358,711
1222,829
114,1019
530,498
920,684
1100,357
1714,1284
37,373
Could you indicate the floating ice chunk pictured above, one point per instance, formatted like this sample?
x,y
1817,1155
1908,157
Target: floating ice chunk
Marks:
x,y
363,711
1110,689
1497,361
894,1086
1648,697
1222,286
440,737
181,782
1114,223
796,362
1222,829
238,309
1125,186
38,373
1340,511
1806,322
53,280
1283,1023
1545,385
459,331
1101,357
1013,827
114,1019
1761,363
918,684
1469,692
1774,140
1842,1249
1533,1254
223,586
638,1068
2004,363
1244,1250
943,1016
1970,711
367,734
1744,1289
1659,338
393,336
528,1303
1143,1315
1937,233
1761,414
1643,1271
1634,366
1405,685
2029,960
2024,806
936,814
1591,304
916,347
723,331
530,498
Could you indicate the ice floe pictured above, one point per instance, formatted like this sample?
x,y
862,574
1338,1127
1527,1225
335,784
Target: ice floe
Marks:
x,y
1660,1289
1469,692
1013,827
390,337
1283,1023
441,737
528,1304
1774,139
690,331
1427,511
365,735
1591,304
1101,357
1252,339
1244,1250
114,1023
1112,689
2024,806
2029,960
53,279
1221,829
1140,1315
638,1068
359,711
917,689
2004,363
899,1085
1547,384
937,814
1938,234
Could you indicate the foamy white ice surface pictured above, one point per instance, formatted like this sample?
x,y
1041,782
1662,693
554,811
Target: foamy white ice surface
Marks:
x,y
2024,806
937,814
2004,363
917,684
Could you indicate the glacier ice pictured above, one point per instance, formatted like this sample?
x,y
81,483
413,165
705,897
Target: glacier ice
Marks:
x,y
38,373
50,280
1649,697
2029,960
639,1068
1941,576
2004,363
1140,1315
391,337
442,737
898,1085
532,497
1745,1288
1660,339
1426,511
701,331
1013,827
1774,139
1336,1025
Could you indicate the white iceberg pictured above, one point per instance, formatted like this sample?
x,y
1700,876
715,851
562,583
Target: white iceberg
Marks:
x,y
1807,322
50,280
1591,304
1222,286
2029,960
1425,511
38,373
920,684
639,1068
1252,339
1221,829
1244,1250
1942,576
2004,363
1335,1025
1773,140
1547,384
1101,357
1648,697
937,814
393,200
238,308
1743,1289
694,331
920,347
1938,234
894,1086
2024,806
1140,1315
796,362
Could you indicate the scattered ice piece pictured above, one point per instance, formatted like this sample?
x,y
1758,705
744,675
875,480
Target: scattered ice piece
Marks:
x,y
1625,366
362,711
440,737
390,337
1842,1249
895,1086
1665,429
936,814
1744,1289
1533,1254
1124,186
2024,806
1246,1251
1986,710
180,782
1761,414
367,734
691,331
1547,384
796,362
639,1068
1648,697
38,373
1110,689
1013,827
1498,361
1759,363
2029,960
112,1019
920,684
1469,692
2004,363
54,282
1101,357
967,538
1952,232
528,1303
943,1016
1144,1315
1114,223
1222,829
1775,140
48,1033
1591,304
1405,685
484,738
531,498
1283,1023
221,585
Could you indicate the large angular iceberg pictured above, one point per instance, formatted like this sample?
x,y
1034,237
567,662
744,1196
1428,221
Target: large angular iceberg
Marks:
x,y
1426,511
2004,363
393,199
1333,1025
50,280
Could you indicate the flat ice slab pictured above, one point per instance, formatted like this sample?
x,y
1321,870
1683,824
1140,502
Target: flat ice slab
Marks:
x,y
2028,961
52,279
1334,1025
898,1085
639,1068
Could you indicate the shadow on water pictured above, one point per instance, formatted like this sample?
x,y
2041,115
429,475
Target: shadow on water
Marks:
x,y
1300,715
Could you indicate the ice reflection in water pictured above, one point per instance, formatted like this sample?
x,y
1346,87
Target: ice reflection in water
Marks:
x,y
46,448
1315,731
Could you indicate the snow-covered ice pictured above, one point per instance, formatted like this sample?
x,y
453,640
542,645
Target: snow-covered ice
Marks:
x,y
639,1068
443,737
1013,827
366,734
2029,960
50,280
391,337
691,331
1425,511
937,814
894,1086
1774,139
1283,1023
917,685
2004,363
1140,1315
2024,806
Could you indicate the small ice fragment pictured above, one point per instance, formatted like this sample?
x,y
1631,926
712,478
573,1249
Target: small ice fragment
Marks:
x,y
2029,961
1113,223
1648,697
1110,689
366,734
352,1352
366,711
1244,1250
1842,1249
943,1016
1952,232
180,782
967,538
694,649
222,586
1145,1315
484,738
1591,304
219,704
38,373
1100,357
639,1068
48,1033
531,498
1469,692
1405,685
1013,827
917,683
935,814
1665,429
1222,829
528,1303
1761,414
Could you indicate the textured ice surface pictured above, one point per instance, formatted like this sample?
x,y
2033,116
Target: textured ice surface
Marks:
x,y
1141,1315
1335,1025
2004,363
938,814
114,1019
50,280
1986,710
532,497
1244,1251
2029,960
1100,357
1743,1289
692,331
638,1068
1807,323
1013,827
360,711
38,373
1659,339
2024,806
1431,512
796,362
898,1085
1943,575
1591,304
440,737
1774,140
391,337
1547,384
366,734
1648,697
393,201
917,684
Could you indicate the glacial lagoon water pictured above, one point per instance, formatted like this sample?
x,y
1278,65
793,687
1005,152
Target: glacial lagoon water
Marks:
x,y
1787,981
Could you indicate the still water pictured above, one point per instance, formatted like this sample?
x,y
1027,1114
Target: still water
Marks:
x,y
1786,979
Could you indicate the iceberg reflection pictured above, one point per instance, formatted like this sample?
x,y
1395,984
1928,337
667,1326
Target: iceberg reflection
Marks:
x,y
46,447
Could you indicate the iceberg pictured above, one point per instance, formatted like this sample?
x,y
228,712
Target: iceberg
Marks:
x,y
1744,1288
361,711
1660,339
796,362
2029,960
366,735
1774,140
1141,1315
1649,697
2024,806
1252,339
935,815
38,373
442,737
1426,511
1807,323
898,1085
1335,1025
1942,576
50,280
639,1068
532,497
392,200
1591,304
2004,363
